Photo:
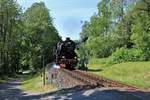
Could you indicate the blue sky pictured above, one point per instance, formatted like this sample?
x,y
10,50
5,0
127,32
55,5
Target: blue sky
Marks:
x,y
67,14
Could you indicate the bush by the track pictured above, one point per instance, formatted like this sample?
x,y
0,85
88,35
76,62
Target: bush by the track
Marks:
x,y
127,55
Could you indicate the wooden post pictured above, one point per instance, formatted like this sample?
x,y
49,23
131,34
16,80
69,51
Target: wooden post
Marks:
x,y
43,71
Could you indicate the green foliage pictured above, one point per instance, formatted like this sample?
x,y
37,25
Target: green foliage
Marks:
x,y
105,29
100,47
101,62
119,23
10,32
25,37
83,57
40,36
141,30
126,55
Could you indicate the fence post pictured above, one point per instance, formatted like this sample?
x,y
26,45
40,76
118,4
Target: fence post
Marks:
x,y
43,71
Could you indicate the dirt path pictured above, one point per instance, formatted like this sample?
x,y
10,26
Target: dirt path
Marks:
x,y
12,91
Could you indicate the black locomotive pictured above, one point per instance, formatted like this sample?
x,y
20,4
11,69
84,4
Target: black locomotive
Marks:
x,y
65,55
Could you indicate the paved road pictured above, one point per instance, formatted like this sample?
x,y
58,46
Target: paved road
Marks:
x,y
96,94
12,91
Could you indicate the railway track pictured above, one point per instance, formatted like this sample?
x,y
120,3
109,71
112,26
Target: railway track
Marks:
x,y
92,80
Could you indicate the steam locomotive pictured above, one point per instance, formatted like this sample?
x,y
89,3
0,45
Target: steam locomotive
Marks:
x,y
65,55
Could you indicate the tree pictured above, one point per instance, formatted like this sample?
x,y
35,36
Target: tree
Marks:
x,y
97,31
40,35
114,25
9,27
141,27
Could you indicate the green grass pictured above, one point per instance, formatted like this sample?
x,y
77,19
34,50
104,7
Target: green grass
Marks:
x,y
131,73
35,84
4,78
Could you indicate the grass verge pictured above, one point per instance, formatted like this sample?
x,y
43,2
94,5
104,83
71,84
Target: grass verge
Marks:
x,y
131,73
35,84
4,78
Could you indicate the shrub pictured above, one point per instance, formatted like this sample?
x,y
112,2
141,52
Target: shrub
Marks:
x,y
126,55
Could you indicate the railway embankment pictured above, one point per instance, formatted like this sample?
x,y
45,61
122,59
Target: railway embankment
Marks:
x,y
131,73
